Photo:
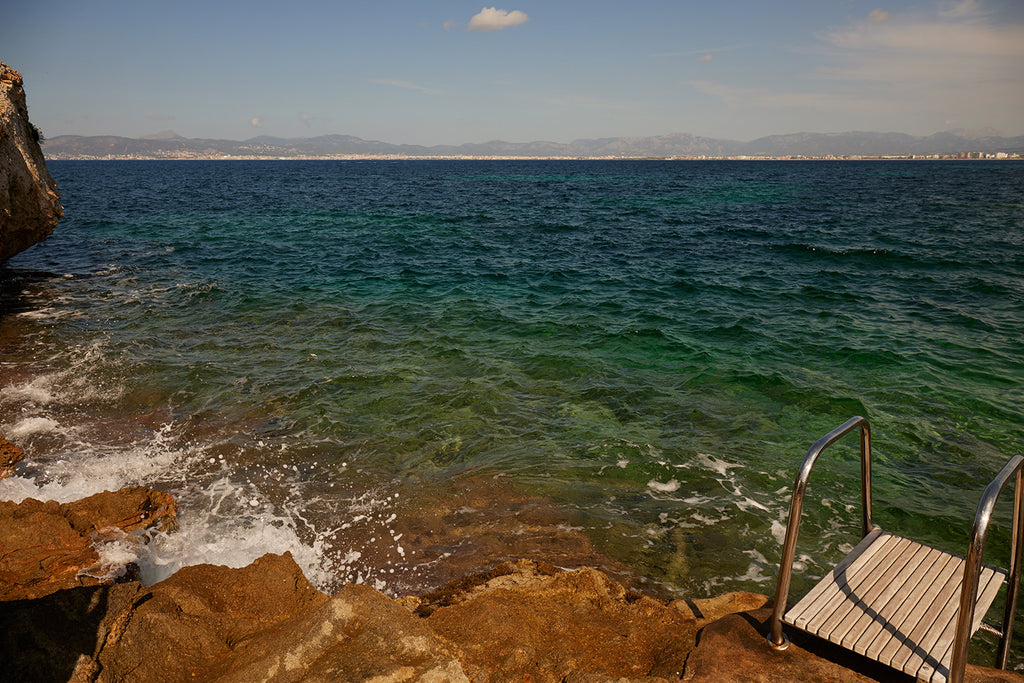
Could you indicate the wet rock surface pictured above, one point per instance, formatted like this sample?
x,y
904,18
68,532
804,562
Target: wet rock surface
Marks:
x,y
29,201
523,620
47,546
10,456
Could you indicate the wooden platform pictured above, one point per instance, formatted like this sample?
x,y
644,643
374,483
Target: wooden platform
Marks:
x,y
896,601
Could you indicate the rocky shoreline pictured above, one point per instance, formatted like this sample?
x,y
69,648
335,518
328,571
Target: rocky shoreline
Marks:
x,y
71,609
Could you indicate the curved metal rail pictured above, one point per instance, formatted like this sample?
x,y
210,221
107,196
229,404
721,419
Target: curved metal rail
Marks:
x,y
1014,469
776,637
972,567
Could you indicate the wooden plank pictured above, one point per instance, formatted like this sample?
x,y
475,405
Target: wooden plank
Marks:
x,y
940,634
861,584
882,604
898,609
896,601
861,553
936,666
834,584
888,641
934,601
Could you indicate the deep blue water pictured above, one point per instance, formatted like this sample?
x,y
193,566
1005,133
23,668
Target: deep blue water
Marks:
x,y
652,345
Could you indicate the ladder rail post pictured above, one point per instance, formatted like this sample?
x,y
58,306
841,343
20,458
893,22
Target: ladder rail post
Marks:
x,y
972,565
776,638
1013,580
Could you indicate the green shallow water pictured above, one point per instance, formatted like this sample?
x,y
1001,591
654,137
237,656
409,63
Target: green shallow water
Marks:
x,y
651,345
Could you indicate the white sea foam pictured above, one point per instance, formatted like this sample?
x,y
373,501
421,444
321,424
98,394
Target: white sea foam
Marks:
x,y
86,469
36,391
204,538
31,425
667,487
116,550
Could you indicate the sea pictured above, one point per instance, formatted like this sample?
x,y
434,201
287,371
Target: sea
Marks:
x,y
385,367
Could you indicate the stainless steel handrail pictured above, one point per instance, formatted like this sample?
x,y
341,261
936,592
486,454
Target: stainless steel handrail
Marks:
x,y
972,569
972,564
776,638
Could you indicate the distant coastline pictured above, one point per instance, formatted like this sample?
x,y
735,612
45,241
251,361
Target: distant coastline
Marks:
x,y
798,146
394,157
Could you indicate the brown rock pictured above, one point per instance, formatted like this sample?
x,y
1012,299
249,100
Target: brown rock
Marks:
x,y
188,622
706,610
29,200
46,547
359,635
264,622
532,624
733,649
10,455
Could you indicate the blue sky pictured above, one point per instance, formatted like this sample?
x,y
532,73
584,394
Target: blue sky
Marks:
x,y
447,72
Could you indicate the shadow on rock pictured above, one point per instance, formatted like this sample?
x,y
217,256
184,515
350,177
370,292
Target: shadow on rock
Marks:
x,y
56,638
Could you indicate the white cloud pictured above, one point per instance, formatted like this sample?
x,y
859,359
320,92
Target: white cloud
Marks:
x,y
405,85
493,19
957,53
256,122
906,70
963,9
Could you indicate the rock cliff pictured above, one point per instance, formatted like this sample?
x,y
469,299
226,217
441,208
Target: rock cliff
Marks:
x,y
29,201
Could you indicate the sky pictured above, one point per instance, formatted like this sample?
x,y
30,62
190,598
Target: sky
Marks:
x,y
435,72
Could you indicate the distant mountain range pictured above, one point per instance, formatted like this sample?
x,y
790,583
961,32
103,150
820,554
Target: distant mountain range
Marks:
x,y
853,144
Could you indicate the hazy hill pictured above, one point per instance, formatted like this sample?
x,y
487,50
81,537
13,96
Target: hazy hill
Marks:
x,y
169,144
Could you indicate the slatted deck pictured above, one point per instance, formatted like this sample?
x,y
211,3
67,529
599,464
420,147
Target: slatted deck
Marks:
x,y
896,601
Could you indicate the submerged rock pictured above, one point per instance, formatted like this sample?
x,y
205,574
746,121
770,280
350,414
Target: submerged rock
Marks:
x,y
47,547
29,200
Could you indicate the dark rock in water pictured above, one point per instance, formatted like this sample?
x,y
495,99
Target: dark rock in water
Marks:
x,y
29,201
47,547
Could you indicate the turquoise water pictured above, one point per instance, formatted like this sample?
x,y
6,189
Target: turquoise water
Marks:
x,y
651,345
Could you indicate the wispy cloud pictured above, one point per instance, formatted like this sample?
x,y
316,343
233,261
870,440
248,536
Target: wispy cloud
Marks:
x,y
767,98
155,116
959,62
702,52
306,119
450,24
955,58
493,19
256,122
405,85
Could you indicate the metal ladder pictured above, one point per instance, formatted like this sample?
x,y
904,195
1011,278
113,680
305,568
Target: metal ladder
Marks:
x,y
899,602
